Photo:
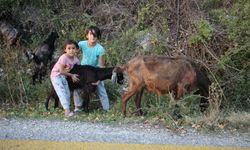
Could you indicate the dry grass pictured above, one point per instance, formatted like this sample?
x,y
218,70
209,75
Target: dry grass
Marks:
x,y
215,98
239,118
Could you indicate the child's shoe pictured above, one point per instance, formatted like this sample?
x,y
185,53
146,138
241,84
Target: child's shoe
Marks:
x,y
69,114
77,110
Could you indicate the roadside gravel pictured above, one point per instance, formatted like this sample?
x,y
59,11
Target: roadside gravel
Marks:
x,y
37,129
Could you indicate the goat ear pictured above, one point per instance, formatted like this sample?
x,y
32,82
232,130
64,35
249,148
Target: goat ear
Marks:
x,y
123,68
53,30
117,69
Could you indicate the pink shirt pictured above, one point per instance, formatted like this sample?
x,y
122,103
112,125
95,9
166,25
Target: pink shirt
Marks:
x,y
66,61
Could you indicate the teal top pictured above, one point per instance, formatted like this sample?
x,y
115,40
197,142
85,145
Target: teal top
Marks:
x,y
90,55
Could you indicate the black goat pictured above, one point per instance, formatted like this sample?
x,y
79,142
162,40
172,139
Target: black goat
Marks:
x,y
87,75
42,56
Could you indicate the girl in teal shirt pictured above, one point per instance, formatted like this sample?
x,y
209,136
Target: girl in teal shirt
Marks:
x,y
93,55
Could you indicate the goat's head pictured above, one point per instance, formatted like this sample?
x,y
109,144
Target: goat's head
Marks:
x,y
30,56
119,78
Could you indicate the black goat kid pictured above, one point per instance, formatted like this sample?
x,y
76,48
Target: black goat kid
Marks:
x,y
87,75
42,56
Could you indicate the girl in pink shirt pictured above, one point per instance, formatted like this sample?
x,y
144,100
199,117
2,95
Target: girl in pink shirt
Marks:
x,y
58,76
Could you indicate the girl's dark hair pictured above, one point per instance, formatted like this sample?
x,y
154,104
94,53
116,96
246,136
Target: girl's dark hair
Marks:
x,y
69,41
94,30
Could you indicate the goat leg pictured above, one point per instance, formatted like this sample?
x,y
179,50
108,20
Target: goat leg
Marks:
x,y
56,104
138,102
180,91
34,76
48,99
85,104
46,104
52,94
126,97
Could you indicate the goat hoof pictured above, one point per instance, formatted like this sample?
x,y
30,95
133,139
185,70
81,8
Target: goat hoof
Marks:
x,y
203,107
124,115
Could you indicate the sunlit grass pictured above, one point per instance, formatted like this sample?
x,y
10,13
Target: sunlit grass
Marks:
x,y
159,112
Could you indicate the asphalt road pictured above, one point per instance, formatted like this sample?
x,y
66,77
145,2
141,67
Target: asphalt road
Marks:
x,y
72,131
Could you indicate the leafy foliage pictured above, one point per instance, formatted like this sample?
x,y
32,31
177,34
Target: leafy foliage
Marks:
x,y
217,28
204,32
235,62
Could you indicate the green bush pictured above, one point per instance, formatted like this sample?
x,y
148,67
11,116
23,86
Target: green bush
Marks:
x,y
235,62
222,20
147,14
204,32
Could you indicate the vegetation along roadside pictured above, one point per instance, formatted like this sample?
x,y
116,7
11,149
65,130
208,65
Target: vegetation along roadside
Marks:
x,y
214,33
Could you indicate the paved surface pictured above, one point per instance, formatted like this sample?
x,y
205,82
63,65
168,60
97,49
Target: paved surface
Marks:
x,y
46,134
49,145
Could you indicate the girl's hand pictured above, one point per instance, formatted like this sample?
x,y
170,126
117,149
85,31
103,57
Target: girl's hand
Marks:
x,y
67,69
96,83
75,78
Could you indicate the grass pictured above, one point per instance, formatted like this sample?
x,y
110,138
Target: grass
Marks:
x,y
160,112
18,98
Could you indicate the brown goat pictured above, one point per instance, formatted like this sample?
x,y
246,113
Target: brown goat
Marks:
x,y
160,75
